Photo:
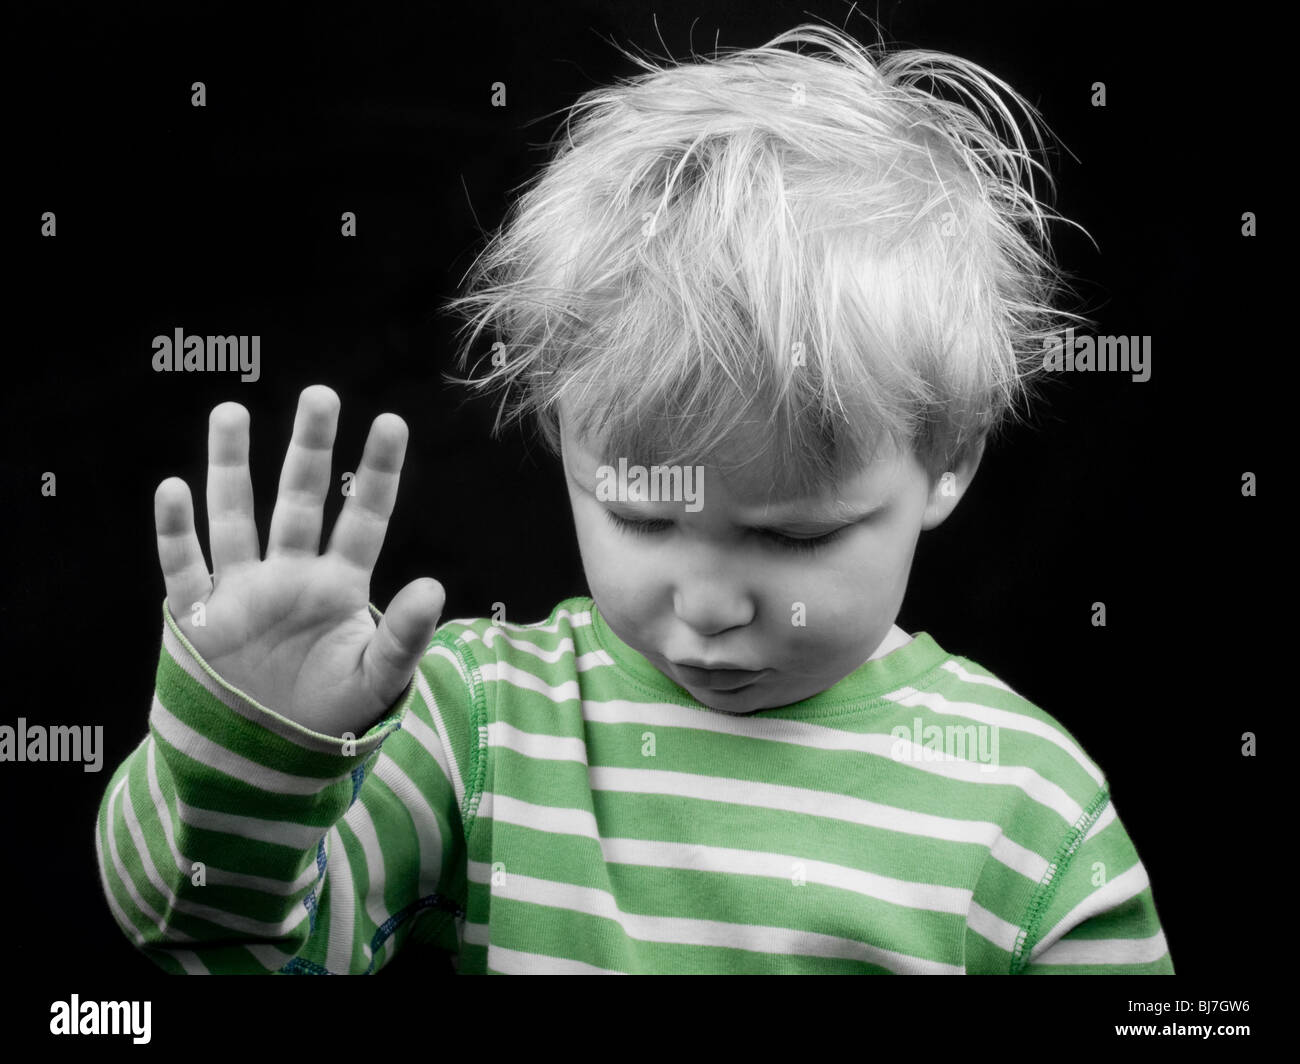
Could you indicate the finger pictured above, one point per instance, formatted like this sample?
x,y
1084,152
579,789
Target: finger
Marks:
x,y
359,532
394,651
185,573
232,531
305,479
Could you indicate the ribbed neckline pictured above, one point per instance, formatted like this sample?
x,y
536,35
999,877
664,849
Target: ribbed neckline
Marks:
x,y
904,667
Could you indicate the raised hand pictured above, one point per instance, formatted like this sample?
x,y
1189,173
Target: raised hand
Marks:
x,y
293,630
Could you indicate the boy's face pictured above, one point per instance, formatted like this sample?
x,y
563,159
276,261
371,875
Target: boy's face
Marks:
x,y
718,586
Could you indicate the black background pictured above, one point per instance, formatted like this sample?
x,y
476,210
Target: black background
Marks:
x,y
225,219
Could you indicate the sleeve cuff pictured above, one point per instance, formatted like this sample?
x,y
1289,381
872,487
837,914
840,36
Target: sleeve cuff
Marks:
x,y
191,692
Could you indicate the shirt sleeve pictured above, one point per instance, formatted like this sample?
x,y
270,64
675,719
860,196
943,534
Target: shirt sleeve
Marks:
x,y
233,840
1094,914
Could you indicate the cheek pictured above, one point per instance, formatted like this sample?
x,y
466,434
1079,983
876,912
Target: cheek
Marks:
x,y
593,546
609,558
852,591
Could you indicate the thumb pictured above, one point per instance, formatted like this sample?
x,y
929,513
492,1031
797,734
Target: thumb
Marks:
x,y
404,631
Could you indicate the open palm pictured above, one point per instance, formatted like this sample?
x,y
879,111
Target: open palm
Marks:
x,y
293,630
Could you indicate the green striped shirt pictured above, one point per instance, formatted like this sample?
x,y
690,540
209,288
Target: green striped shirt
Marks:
x,y
542,799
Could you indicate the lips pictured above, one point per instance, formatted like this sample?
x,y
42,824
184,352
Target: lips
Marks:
x,y
719,679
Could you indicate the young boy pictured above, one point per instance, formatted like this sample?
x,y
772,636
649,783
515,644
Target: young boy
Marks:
x,y
767,308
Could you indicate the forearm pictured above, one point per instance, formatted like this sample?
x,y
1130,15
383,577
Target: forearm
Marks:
x,y
218,839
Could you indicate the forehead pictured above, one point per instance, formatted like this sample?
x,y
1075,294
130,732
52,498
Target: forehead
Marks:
x,y
740,479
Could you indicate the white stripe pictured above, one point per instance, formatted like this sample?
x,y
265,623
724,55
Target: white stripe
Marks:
x,y
686,931
123,920
211,755
428,835
992,927
435,740
593,659
1103,821
1001,718
300,837
727,860
561,652
1018,858
1041,790
971,677
342,902
514,962
190,961
1106,951
159,921
505,736
563,649
136,831
505,672
1119,890
563,618
723,859
362,825
793,800
442,652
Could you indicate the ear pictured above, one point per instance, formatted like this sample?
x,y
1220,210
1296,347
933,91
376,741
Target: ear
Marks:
x,y
947,491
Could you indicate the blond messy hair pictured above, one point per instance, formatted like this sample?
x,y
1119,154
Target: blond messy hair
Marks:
x,y
808,246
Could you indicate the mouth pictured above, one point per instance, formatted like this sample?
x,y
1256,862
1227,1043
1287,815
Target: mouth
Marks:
x,y
721,680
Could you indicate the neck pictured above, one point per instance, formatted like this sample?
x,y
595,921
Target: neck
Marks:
x,y
893,640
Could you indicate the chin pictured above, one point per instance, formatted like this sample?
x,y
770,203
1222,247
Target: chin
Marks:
x,y
735,702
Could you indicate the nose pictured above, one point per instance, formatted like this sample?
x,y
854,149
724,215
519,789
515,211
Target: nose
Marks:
x,y
711,603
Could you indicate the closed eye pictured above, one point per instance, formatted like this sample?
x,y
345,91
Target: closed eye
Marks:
x,y
794,543
809,543
638,528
